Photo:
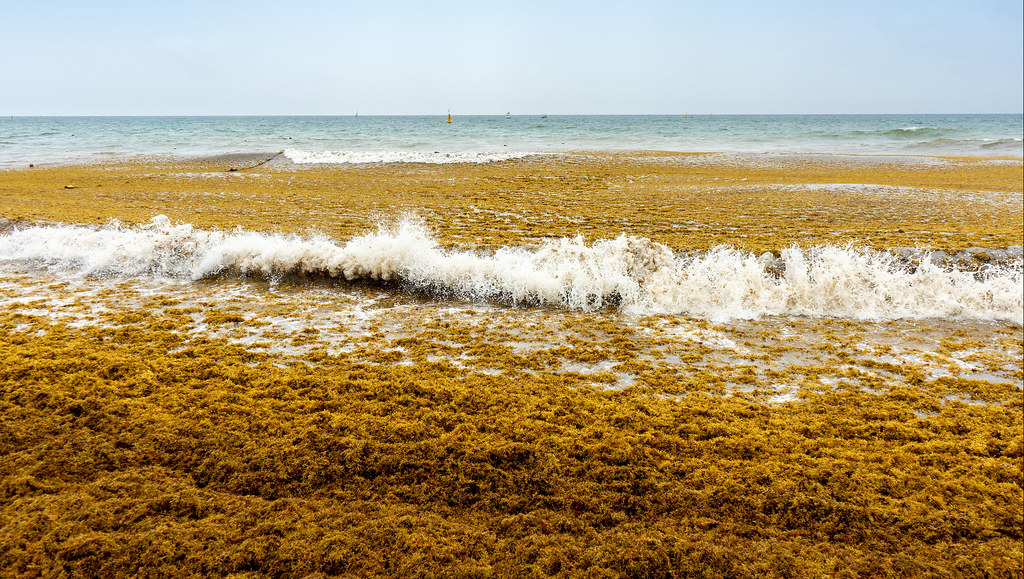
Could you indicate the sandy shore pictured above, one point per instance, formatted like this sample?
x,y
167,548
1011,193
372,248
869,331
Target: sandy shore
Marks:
x,y
254,426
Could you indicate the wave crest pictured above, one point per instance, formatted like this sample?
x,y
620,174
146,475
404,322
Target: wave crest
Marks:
x,y
631,272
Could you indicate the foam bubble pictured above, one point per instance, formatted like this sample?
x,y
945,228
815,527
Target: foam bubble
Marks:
x,y
633,273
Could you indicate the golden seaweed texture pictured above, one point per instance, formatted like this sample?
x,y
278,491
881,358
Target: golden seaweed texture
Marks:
x,y
285,428
755,203
135,449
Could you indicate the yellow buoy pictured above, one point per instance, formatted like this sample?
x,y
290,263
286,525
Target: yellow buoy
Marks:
x,y
449,117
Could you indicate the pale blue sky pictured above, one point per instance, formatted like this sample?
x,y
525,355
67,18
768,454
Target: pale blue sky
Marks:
x,y
528,57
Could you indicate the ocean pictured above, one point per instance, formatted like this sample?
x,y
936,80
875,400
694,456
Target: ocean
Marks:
x,y
369,139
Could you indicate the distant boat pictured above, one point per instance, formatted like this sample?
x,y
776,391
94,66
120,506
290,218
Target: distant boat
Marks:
x,y
543,116
508,115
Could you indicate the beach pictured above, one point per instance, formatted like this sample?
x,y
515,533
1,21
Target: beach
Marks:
x,y
589,363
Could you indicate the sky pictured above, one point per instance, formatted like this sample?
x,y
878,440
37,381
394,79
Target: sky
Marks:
x,y
301,57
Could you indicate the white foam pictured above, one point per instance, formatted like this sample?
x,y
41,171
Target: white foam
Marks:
x,y
638,275
355,157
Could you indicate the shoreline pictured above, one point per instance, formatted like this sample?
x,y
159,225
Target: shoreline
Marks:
x,y
242,157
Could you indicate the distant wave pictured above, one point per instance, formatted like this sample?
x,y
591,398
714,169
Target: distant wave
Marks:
x,y
968,145
899,133
913,139
996,143
632,273
918,132
356,157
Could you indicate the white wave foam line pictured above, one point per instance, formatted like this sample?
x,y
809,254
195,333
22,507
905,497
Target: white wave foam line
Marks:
x,y
354,157
638,275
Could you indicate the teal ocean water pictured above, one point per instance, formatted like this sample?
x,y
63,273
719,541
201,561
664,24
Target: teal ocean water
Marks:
x,y
367,139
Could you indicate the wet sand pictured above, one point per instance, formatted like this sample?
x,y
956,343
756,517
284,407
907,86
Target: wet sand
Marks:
x,y
290,426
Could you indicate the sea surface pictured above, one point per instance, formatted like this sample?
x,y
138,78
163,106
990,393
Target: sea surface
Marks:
x,y
372,139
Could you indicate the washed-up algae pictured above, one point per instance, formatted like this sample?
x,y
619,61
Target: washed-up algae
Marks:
x,y
202,430
134,448
756,203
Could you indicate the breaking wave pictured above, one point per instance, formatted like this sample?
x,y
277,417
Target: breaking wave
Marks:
x,y
633,273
